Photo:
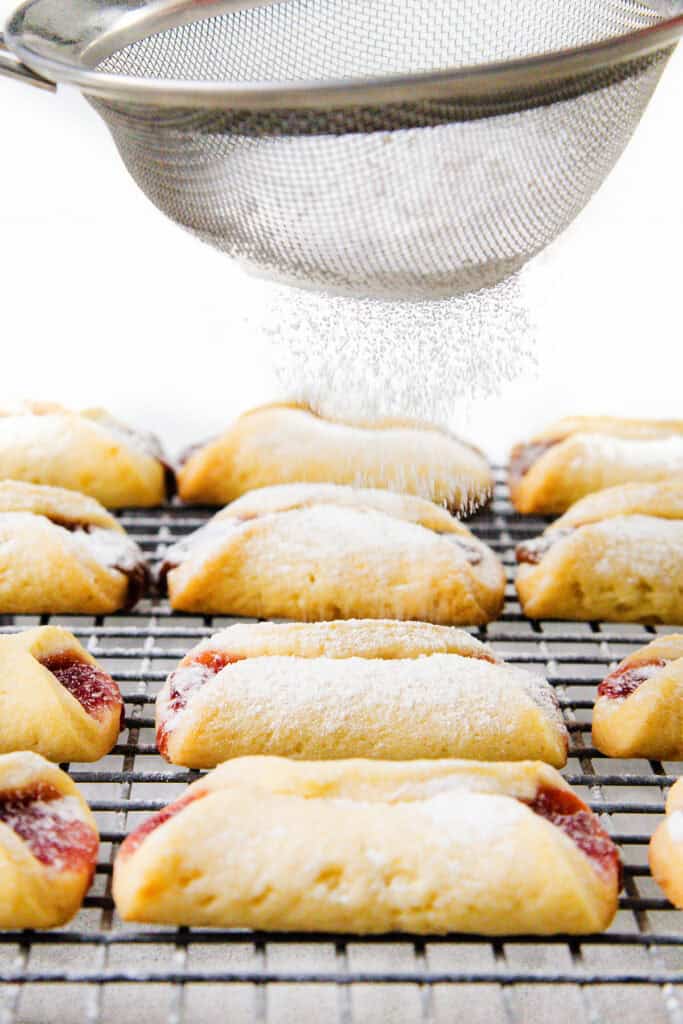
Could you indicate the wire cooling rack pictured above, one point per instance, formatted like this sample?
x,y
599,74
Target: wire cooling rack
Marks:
x,y
98,970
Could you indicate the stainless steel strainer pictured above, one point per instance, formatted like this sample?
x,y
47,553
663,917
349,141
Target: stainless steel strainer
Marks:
x,y
382,147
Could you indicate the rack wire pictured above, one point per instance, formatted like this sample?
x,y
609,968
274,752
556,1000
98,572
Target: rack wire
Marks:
x,y
98,970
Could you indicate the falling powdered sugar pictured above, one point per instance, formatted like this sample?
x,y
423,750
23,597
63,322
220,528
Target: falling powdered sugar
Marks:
x,y
363,358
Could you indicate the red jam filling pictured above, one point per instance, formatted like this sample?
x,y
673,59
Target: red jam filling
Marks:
x,y
94,690
62,841
132,842
183,683
567,811
524,456
530,552
625,680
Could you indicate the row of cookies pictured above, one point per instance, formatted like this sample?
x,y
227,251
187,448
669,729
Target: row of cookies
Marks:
x,y
314,552
264,689
96,454
362,847
358,688
151,891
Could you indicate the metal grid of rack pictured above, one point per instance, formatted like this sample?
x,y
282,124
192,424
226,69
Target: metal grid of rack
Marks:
x,y
98,970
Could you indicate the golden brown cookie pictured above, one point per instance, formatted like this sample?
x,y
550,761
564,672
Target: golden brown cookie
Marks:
x,y
54,697
282,444
373,846
48,844
89,451
666,848
583,454
61,552
639,707
320,551
370,688
616,555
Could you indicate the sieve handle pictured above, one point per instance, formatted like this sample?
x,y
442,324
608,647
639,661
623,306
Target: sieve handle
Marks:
x,y
13,68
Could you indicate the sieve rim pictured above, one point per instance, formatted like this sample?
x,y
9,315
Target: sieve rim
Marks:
x,y
473,83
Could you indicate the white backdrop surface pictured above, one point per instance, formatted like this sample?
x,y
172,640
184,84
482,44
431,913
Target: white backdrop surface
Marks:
x,y
106,302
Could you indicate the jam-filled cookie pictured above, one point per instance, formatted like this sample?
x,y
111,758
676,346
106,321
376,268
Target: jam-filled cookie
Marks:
x,y
48,844
54,697
61,553
583,454
615,555
666,848
281,444
376,689
373,846
639,708
321,551
87,451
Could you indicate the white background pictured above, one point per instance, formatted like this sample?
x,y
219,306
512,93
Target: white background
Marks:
x,y
105,302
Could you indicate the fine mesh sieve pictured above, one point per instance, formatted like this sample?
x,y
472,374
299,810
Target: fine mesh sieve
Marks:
x,y
380,147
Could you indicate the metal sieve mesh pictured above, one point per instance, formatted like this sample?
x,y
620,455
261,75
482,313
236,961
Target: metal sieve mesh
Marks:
x,y
292,148
327,39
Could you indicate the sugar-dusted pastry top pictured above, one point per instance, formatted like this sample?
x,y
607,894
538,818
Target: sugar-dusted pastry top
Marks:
x,y
54,697
279,444
533,784
360,638
635,508
48,843
373,846
90,533
369,639
272,501
368,688
615,555
88,451
583,454
326,551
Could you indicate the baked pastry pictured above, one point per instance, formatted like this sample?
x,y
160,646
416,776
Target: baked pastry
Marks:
x,y
373,846
615,555
639,708
89,451
666,848
54,697
320,551
61,552
376,689
281,444
583,454
48,844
